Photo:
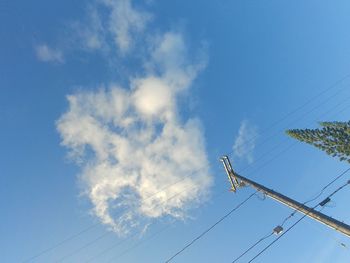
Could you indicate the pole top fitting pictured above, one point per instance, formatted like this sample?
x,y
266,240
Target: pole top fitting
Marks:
x,y
230,173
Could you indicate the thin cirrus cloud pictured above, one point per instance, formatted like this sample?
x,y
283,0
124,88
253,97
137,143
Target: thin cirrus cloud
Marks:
x,y
112,32
121,24
47,54
125,22
140,161
245,141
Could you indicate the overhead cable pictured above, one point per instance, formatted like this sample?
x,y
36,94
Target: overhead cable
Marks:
x,y
45,251
294,212
297,222
210,228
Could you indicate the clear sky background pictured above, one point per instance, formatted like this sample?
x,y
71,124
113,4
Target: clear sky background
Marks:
x,y
224,77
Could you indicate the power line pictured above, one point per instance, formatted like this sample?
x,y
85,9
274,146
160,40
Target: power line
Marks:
x,y
341,243
260,168
303,116
317,196
61,243
107,233
113,246
94,225
281,142
339,104
286,148
302,106
288,125
139,243
339,188
120,242
293,213
329,184
274,124
344,109
262,251
109,248
313,109
210,228
291,145
283,151
297,222
83,247
45,251
252,246
74,252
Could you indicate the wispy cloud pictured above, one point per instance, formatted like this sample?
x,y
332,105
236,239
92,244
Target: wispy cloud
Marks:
x,y
47,54
125,22
140,161
244,144
112,27
91,34
116,29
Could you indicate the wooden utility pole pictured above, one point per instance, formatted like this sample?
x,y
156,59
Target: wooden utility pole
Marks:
x,y
237,181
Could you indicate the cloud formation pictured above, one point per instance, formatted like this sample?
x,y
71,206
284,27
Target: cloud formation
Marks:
x,y
118,29
91,33
139,160
125,22
112,27
244,144
46,54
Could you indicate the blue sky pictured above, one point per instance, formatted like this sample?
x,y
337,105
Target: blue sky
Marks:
x,y
105,103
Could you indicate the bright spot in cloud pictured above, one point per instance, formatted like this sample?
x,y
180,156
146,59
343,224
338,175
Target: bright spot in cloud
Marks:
x,y
153,97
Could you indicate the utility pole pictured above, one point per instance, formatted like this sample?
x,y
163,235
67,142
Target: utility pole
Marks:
x,y
237,181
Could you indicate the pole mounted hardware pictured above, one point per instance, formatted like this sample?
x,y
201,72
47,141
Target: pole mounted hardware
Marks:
x,y
238,181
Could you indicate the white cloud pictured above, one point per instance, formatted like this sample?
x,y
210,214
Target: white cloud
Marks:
x,y
132,144
46,54
110,26
91,33
244,144
125,23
